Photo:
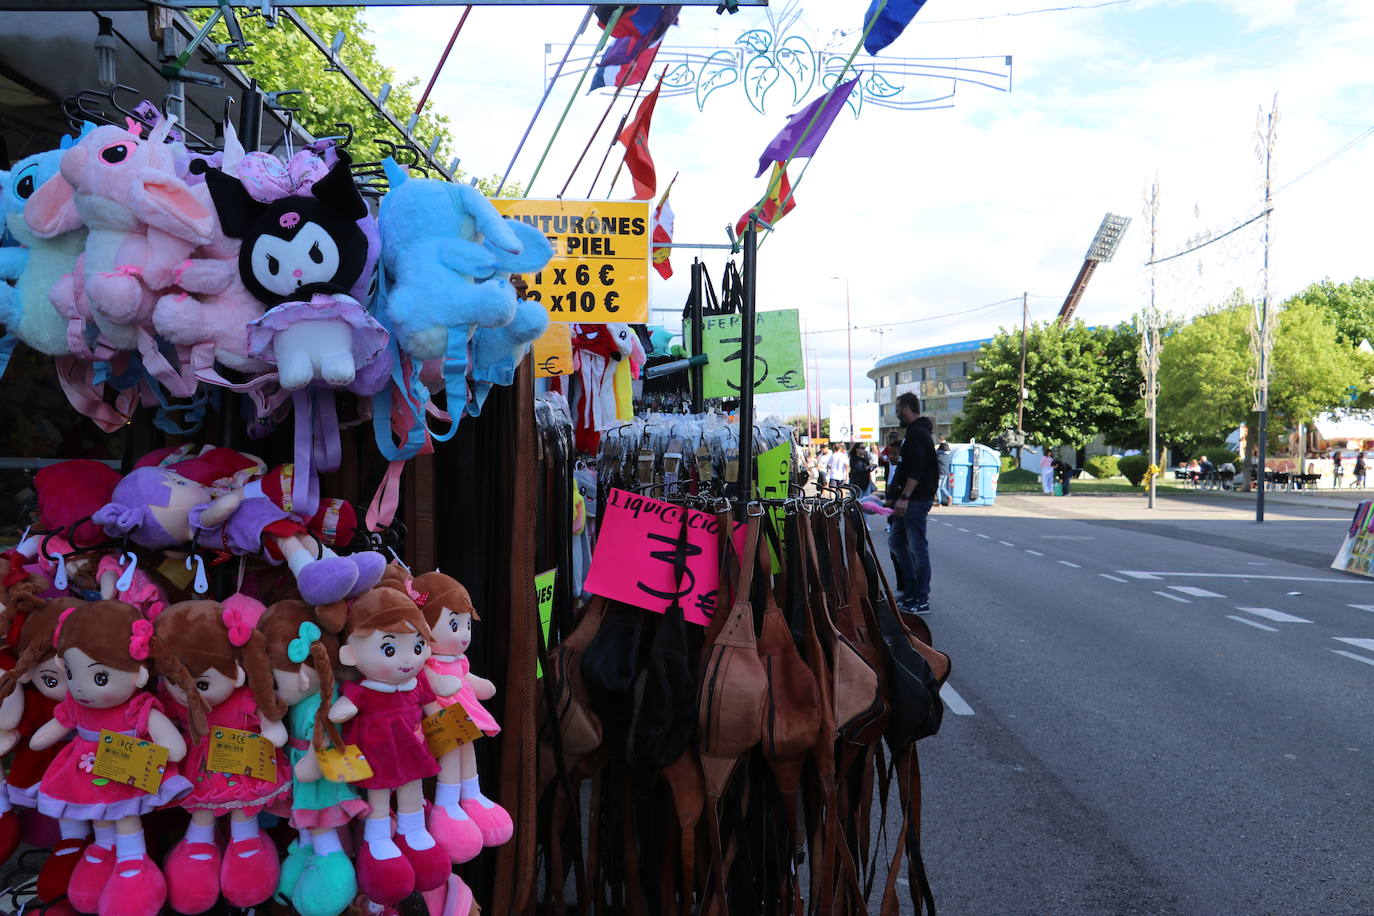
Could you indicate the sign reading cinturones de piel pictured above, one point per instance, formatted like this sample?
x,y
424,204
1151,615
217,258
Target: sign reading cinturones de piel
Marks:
x,y
600,267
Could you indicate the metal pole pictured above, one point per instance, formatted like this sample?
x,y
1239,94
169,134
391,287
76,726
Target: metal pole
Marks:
x,y
849,331
698,401
250,118
746,368
1265,330
1149,343
806,368
1021,385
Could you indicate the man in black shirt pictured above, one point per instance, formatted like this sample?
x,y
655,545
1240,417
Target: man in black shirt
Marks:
x,y
912,493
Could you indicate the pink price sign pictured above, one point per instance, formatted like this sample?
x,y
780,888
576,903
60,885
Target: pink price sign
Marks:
x,y
633,560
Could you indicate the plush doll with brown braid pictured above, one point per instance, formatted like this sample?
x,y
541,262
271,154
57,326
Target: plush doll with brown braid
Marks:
x,y
218,649
43,686
105,648
317,877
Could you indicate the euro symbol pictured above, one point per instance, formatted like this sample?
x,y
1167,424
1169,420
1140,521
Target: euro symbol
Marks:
x,y
549,365
788,379
610,301
604,275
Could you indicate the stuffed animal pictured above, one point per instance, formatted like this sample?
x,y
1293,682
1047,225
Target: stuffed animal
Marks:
x,y
387,640
302,255
459,804
447,253
25,309
159,508
497,352
218,648
597,351
104,647
317,876
143,222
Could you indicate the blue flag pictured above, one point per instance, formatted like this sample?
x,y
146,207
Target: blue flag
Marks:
x,y
892,21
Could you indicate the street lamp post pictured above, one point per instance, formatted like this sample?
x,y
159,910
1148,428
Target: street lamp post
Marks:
x,y
849,332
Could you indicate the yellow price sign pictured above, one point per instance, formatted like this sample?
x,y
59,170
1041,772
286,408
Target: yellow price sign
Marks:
x,y
233,750
447,729
553,351
600,267
130,761
348,765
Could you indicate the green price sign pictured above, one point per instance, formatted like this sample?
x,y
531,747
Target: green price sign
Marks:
x,y
543,590
777,353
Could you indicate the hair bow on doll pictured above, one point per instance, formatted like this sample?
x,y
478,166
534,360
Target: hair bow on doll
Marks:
x,y
57,630
140,640
240,615
267,178
298,649
420,598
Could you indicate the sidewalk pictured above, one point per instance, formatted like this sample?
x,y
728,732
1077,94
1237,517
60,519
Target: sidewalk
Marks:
x,y
1344,499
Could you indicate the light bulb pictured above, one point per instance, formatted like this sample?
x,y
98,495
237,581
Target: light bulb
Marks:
x,y
105,55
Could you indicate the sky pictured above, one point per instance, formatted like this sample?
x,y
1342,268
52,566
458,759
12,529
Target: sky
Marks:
x,y
921,215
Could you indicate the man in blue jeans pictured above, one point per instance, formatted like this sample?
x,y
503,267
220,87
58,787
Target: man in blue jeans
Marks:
x,y
912,494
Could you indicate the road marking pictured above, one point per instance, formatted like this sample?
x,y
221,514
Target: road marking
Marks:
x,y
1362,607
985,537
1277,616
955,702
1066,537
1359,658
1067,563
1209,575
1006,543
1113,578
1360,643
1172,597
1254,623
1195,591
965,530
1034,553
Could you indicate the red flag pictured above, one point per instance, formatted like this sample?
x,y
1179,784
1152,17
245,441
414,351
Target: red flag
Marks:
x,y
769,211
663,234
635,139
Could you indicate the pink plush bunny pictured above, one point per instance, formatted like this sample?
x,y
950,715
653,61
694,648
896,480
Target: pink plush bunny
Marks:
x,y
144,221
211,312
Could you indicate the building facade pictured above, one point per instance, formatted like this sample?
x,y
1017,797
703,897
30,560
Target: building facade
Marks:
x,y
939,375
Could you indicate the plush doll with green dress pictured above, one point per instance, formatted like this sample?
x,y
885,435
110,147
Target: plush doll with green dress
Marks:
x,y
317,876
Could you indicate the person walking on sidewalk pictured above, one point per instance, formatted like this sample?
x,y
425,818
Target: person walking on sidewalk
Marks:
x,y
911,495
1359,470
1047,473
837,465
1337,471
943,459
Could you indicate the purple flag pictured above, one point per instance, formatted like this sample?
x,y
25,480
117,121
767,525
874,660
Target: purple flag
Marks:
x,y
828,106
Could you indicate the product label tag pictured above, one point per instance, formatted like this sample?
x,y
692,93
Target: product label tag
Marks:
x,y
449,728
175,572
348,765
130,761
233,750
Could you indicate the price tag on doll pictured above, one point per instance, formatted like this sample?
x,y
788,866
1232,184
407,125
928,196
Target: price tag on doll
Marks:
x,y
449,728
130,761
348,765
233,750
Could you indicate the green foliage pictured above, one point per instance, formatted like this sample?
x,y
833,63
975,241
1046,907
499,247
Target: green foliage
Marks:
x,y
1350,307
1070,390
1017,475
283,58
1009,463
1127,428
1103,466
1204,371
1132,467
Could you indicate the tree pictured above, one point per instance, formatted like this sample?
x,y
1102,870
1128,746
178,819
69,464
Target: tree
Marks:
x,y
1126,426
283,58
1205,369
1350,307
1069,392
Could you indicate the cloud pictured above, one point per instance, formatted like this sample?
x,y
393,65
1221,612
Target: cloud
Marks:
x,y
931,213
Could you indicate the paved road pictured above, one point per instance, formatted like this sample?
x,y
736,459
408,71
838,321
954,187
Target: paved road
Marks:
x,y
1168,719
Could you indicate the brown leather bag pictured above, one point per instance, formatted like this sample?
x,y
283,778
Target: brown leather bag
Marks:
x,y
578,727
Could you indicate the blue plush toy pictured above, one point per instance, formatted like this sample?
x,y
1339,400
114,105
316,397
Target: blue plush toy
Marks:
x,y
497,352
25,309
448,255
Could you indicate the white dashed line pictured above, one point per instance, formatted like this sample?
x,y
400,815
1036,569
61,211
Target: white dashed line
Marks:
x,y
1067,563
1137,575
1359,658
1034,553
1358,643
955,702
1195,591
965,530
1113,578
1006,543
1173,597
1362,607
1269,613
1254,623
985,537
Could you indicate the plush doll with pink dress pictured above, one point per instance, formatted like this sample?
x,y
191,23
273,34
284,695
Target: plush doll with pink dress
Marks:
x,y
387,640
105,648
458,798
218,648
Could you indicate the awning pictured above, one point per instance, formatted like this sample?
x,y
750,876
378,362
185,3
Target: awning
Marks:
x,y
1339,427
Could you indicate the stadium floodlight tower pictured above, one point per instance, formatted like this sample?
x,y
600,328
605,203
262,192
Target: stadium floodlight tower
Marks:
x,y
1103,247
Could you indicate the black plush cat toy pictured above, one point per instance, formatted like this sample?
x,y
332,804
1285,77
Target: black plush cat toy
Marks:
x,y
310,256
